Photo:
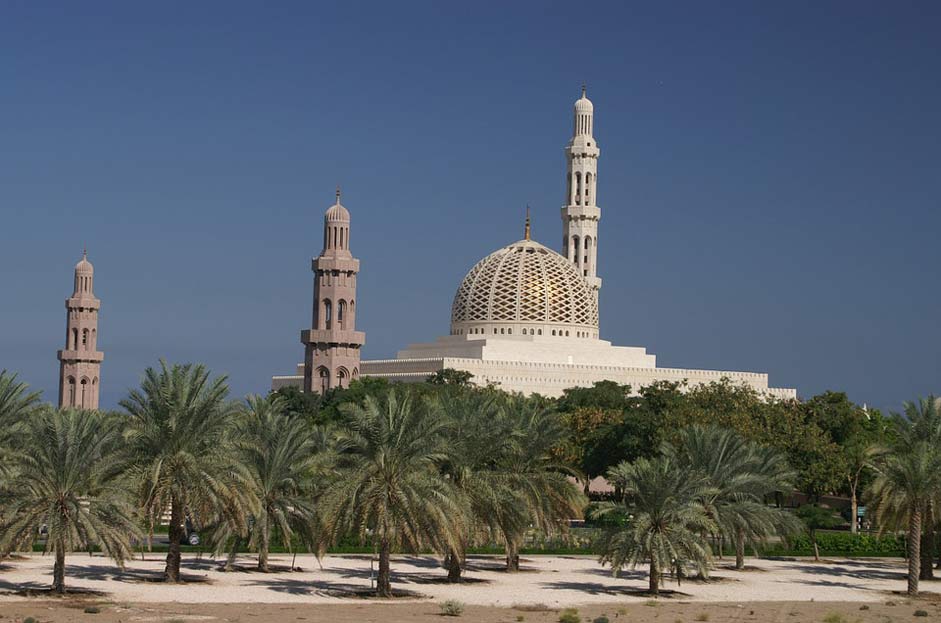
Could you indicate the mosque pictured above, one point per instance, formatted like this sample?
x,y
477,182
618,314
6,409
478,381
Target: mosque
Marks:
x,y
524,318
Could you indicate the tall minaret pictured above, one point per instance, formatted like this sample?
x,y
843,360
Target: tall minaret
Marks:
x,y
80,360
331,353
581,214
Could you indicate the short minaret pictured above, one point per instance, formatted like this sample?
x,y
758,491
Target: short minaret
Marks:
x,y
580,214
80,360
332,346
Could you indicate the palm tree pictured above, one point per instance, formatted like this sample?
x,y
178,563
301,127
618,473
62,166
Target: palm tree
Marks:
x,y
389,483
282,454
181,455
16,403
908,481
65,480
741,475
660,519
534,477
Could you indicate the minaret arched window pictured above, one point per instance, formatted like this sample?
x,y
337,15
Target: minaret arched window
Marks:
x,y
324,380
327,314
84,339
71,401
342,378
588,188
578,188
341,314
74,339
84,392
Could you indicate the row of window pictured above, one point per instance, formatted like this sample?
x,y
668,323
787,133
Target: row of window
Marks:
x,y
575,181
525,331
83,399
343,377
326,319
89,339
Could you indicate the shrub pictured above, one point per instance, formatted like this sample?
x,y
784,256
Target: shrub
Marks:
x,y
30,620
92,610
840,544
602,619
702,616
570,615
921,613
452,608
520,617
834,617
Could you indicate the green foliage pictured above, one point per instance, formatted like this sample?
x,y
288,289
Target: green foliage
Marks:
x,y
452,608
92,610
601,619
834,617
63,478
389,485
840,544
181,453
450,376
667,519
30,620
570,615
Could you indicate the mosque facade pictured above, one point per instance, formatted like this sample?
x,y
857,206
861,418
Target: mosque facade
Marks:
x,y
525,317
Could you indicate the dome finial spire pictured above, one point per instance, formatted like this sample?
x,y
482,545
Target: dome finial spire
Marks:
x,y
583,90
526,230
338,193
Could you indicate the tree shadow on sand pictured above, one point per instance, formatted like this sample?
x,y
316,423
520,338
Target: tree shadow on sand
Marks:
x,y
328,589
595,588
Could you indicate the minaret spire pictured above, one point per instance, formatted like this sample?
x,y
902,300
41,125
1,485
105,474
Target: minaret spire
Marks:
x,y
581,214
526,234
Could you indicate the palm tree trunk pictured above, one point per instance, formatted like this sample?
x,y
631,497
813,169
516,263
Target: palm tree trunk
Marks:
x,y
384,581
740,549
854,507
233,553
813,538
654,577
263,543
914,549
512,557
58,571
453,562
927,545
172,571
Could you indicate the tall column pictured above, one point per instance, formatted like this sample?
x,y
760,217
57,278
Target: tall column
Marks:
x,y
332,344
581,214
80,360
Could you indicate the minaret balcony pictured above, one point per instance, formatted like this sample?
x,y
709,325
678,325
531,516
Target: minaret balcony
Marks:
x,y
91,356
333,336
579,212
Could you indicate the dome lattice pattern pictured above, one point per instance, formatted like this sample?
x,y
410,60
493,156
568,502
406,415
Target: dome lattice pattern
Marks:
x,y
525,283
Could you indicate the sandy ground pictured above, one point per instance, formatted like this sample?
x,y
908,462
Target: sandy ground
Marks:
x,y
73,611
552,581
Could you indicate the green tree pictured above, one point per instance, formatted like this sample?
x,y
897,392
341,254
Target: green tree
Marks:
x,y
281,455
740,475
65,480
389,484
817,518
541,483
16,403
306,405
450,376
181,454
907,487
665,519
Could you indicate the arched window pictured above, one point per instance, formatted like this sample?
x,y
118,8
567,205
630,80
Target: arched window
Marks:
x,y
510,331
324,375
343,378
341,313
342,232
540,331
71,399
575,248
94,339
588,188
553,332
74,339
84,338
578,187
327,314
84,392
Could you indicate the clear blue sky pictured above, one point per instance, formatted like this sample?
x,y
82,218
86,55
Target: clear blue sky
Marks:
x,y
770,176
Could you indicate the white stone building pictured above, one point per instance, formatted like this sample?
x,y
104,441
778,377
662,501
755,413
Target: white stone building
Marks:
x,y
525,317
